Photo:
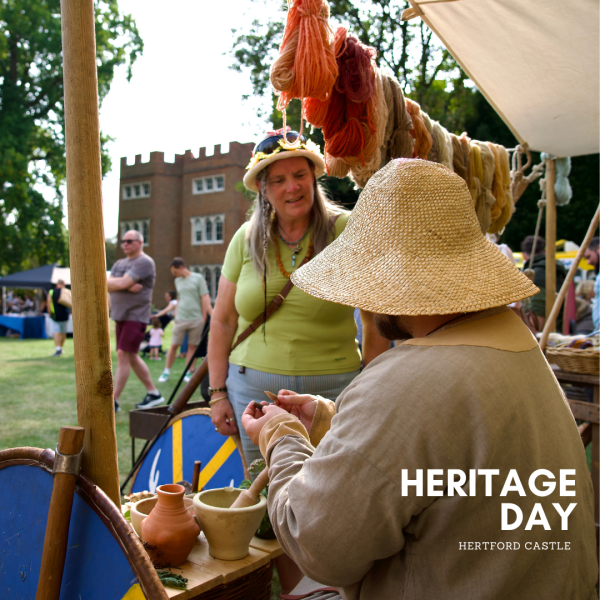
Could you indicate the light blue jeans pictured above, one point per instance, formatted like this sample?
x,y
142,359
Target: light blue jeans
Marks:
x,y
251,385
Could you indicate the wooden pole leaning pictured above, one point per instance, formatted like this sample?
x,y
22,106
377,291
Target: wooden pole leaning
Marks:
x,y
93,372
570,276
550,241
67,464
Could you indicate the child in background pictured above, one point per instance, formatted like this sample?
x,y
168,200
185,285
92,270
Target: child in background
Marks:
x,y
156,335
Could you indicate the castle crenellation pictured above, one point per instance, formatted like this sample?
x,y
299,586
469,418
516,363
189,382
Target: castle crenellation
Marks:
x,y
189,207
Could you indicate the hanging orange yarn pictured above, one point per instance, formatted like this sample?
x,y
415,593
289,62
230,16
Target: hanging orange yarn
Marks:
x,y
348,118
306,66
423,141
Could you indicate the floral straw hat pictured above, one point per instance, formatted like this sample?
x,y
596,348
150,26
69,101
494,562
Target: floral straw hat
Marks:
x,y
413,246
276,146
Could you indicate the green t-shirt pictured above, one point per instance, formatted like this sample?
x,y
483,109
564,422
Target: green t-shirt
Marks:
x,y
306,335
190,289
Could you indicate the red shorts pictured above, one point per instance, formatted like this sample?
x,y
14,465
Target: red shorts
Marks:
x,y
130,335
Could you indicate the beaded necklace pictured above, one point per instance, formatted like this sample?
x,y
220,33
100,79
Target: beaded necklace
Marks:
x,y
296,251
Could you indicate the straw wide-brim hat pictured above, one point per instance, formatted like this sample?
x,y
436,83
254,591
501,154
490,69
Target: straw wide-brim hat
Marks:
x,y
316,159
413,246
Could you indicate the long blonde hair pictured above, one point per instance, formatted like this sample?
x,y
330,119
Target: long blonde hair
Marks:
x,y
259,233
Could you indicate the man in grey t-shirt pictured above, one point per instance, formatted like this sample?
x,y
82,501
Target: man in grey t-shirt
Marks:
x,y
130,285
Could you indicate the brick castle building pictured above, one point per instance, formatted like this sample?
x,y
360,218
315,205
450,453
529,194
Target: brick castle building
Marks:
x,y
189,208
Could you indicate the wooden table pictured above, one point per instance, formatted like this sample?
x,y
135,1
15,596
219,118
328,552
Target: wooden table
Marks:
x,y
204,572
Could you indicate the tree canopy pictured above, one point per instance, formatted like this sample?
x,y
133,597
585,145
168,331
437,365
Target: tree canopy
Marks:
x,y
32,143
429,75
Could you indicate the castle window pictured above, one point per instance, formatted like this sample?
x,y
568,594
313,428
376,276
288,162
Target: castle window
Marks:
x,y
208,185
198,230
208,278
207,229
211,274
137,190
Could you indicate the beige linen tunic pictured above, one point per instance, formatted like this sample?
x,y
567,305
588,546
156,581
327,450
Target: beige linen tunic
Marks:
x,y
477,394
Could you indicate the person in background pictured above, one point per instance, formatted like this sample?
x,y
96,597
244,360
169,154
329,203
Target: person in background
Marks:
x,y
130,286
537,304
193,307
167,314
60,318
584,295
156,336
593,257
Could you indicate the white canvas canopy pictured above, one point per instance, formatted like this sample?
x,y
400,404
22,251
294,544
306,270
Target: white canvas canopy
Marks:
x,y
535,61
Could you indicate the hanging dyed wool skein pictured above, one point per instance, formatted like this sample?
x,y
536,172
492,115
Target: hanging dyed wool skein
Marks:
x,y
349,123
306,66
432,155
423,141
359,173
400,142
443,144
458,158
509,206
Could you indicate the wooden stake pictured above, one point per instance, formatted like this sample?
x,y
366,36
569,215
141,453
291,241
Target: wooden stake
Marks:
x,y
550,240
70,442
196,476
93,373
570,275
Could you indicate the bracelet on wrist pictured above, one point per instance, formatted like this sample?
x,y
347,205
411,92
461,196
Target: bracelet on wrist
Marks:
x,y
215,400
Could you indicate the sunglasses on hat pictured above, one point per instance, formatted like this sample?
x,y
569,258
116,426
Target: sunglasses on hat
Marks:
x,y
271,143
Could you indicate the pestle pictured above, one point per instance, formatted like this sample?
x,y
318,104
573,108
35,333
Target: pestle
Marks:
x,y
249,497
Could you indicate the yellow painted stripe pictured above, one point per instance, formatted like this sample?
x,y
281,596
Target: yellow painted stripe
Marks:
x,y
177,451
216,462
134,593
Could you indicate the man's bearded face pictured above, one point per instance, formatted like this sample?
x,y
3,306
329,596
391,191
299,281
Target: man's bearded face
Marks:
x,y
393,327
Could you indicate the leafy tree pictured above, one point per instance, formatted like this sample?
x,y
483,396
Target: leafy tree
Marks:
x,y
32,144
110,251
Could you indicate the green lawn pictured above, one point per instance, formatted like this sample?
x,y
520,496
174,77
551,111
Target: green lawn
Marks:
x,y
37,394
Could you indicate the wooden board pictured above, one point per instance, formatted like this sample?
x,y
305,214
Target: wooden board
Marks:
x,y
205,572
585,411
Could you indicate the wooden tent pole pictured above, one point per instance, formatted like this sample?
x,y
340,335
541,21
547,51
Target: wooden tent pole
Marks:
x,y
550,241
93,373
570,275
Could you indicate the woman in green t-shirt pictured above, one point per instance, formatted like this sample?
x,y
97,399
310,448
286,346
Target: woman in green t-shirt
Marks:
x,y
308,345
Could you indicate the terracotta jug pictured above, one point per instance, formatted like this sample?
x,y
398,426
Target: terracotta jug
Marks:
x,y
169,531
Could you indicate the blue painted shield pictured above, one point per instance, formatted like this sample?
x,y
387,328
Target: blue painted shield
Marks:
x,y
189,438
95,566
